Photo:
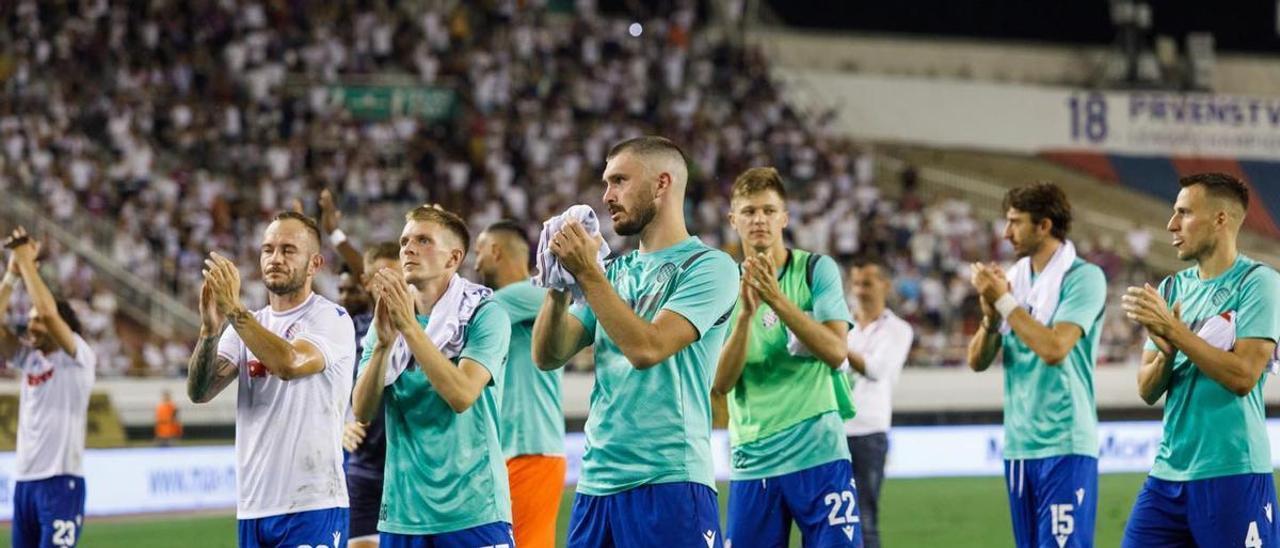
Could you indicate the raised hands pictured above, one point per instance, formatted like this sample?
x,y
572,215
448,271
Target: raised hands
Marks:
x,y
761,275
1145,306
330,216
576,248
220,294
394,303
990,281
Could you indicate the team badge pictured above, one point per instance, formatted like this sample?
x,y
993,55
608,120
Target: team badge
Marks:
x,y
664,273
1220,296
770,318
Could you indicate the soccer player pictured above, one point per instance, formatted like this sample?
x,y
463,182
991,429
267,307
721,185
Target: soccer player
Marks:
x,y
790,461
1052,320
366,442
878,346
657,317
353,297
445,479
1212,330
57,368
352,294
293,360
532,415
330,219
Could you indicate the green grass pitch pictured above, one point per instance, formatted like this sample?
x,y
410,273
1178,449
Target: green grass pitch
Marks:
x,y
954,512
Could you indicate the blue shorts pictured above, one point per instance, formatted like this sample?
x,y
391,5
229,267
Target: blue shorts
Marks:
x,y
1053,501
489,535
1227,511
316,528
666,515
48,512
822,501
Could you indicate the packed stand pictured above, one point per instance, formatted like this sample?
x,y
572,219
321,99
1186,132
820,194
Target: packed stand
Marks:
x,y
165,130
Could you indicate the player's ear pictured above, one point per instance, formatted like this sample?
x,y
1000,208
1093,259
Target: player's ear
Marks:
x,y
1224,217
664,184
315,263
1045,225
455,258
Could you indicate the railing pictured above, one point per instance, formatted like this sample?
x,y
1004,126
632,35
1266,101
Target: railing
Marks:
x,y
988,196
992,194
138,298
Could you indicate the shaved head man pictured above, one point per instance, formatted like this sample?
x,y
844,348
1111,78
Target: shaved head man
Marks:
x,y
657,317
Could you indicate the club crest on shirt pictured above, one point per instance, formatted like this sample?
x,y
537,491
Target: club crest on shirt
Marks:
x,y
664,273
291,331
770,318
1220,296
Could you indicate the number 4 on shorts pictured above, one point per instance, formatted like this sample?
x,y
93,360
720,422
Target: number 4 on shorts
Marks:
x,y
1252,539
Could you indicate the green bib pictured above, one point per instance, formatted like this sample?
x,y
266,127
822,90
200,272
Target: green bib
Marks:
x,y
778,390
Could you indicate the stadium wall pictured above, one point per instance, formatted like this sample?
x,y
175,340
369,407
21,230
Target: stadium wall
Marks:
x,y
179,479
1135,138
919,392
986,60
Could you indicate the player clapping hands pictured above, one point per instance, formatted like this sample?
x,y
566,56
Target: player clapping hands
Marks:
x,y
393,310
760,274
1145,306
220,293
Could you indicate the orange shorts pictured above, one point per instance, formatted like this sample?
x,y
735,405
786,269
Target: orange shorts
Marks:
x,y
537,482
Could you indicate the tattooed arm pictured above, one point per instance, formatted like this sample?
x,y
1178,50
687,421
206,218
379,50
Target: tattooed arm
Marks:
x,y
207,372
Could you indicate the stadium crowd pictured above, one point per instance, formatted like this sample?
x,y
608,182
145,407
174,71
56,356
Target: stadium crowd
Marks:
x,y
177,128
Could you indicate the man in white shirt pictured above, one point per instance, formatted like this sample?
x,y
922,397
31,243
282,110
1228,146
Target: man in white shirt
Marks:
x,y
57,369
294,361
878,346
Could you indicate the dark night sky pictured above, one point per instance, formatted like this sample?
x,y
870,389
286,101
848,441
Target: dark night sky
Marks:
x,y
1237,25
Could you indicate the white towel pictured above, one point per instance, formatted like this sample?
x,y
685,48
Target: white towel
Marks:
x,y
551,274
795,346
446,327
1220,332
1041,298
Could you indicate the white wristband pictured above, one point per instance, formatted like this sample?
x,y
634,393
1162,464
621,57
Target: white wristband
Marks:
x,y
10,280
337,236
1006,305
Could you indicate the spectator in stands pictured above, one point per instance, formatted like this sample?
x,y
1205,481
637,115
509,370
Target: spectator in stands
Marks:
x,y
105,129
1139,239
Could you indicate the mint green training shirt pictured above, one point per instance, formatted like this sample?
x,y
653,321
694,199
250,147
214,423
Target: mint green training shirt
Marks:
x,y
1049,410
653,426
1209,431
445,471
532,413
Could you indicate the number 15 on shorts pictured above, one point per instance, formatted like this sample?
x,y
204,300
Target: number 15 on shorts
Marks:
x,y
1062,524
